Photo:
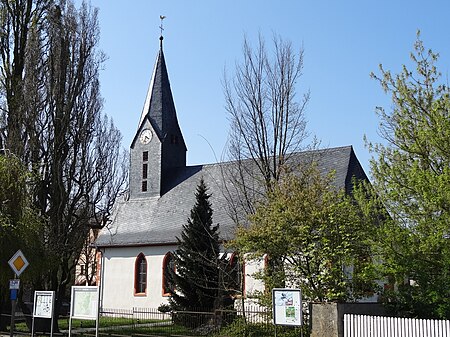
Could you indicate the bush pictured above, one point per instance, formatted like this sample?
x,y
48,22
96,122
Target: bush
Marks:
x,y
191,320
239,328
164,308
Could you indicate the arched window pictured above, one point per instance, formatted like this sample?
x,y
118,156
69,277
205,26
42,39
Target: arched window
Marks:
x,y
237,273
168,266
140,275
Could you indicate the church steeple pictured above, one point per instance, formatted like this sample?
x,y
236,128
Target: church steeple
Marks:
x,y
159,106
158,138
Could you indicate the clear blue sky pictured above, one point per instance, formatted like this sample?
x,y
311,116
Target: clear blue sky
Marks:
x,y
343,40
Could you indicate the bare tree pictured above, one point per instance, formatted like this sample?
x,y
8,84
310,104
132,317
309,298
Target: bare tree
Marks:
x,y
61,132
267,119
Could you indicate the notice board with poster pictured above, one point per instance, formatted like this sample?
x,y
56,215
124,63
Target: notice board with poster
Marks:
x,y
43,304
84,303
287,306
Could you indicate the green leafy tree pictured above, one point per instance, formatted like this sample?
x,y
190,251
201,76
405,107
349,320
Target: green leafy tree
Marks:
x,y
412,176
321,236
196,278
19,223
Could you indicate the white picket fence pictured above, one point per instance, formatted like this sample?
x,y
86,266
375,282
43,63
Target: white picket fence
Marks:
x,y
377,326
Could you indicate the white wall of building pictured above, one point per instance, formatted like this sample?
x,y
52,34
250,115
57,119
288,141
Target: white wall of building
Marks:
x,y
118,272
117,279
253,285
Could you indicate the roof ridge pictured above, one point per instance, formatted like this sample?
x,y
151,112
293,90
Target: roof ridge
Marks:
x,y
350,147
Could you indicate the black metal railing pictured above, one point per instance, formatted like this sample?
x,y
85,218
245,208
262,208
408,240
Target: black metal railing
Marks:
x,y
253,321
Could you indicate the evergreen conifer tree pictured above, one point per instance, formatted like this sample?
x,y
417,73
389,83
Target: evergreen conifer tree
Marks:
x,y
196,277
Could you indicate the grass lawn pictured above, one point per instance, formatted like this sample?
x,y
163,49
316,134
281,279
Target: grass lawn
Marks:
x,y
105,322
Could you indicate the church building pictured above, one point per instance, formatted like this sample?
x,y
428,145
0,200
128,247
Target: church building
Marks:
x,y
135,249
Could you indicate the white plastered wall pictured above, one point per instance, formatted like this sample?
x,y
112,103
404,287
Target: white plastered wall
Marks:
x,y
118,277
253,285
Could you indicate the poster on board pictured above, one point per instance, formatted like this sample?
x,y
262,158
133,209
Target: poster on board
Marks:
x,y
84,302
43,304
287,306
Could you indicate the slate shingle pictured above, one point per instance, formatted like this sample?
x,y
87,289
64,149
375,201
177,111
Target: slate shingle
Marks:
x,y
159,220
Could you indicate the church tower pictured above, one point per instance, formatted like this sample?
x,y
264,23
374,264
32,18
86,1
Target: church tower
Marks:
x,y
158,147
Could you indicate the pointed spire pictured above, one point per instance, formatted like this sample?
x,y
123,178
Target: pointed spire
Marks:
x,y
159,107
158,115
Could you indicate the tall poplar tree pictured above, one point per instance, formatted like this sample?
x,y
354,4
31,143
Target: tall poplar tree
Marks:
x,y
51,119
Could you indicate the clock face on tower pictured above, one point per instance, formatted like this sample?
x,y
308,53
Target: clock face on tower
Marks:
x,y
146,136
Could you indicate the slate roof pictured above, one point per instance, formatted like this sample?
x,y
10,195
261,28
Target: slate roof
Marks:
x,y
159,220
159,106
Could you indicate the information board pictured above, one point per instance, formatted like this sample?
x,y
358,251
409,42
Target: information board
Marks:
x,y
43,304
287,307
84,303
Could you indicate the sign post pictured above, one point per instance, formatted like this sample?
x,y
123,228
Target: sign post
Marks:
x,y
18,264
14,285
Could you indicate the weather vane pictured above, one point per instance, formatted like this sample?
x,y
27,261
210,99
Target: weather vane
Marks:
x,y
162,17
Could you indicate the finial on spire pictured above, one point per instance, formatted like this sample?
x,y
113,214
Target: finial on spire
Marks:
x,y
162,17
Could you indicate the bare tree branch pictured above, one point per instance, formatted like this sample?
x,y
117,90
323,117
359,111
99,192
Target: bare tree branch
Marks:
x,y
267,119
